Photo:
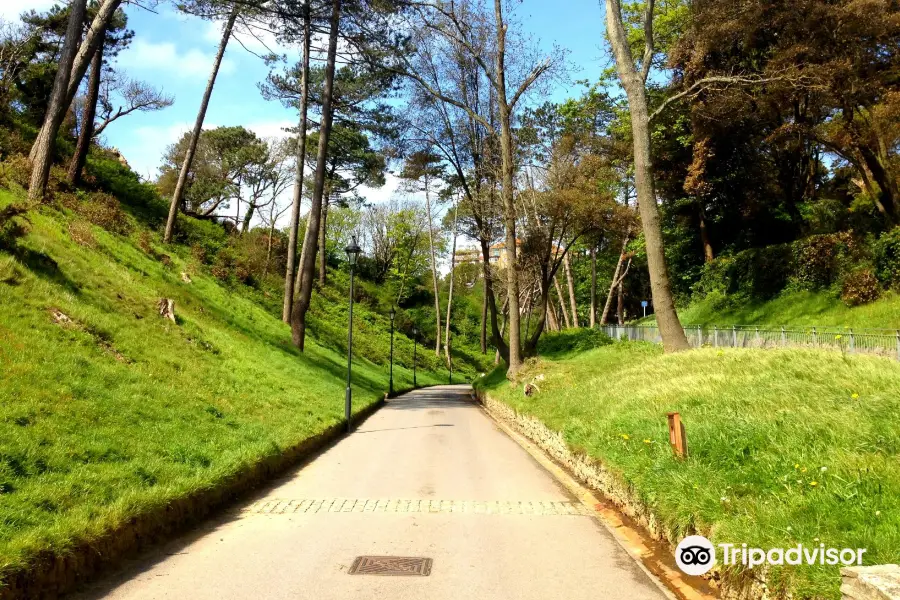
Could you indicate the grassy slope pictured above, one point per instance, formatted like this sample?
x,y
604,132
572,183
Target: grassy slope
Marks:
x,y
796,308
785,446
121,410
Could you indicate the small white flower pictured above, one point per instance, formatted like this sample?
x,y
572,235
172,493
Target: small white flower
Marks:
x,y
823,469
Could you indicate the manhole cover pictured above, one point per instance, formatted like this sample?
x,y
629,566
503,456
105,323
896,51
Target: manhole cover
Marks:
x,y
391,565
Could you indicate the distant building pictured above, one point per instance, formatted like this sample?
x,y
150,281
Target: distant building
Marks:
x,y
499,255
467,255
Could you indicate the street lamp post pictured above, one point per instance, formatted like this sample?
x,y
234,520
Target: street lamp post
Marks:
x,y
353,251
391,385
415,333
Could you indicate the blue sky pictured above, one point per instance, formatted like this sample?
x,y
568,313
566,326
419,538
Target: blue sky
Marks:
x,y
175,53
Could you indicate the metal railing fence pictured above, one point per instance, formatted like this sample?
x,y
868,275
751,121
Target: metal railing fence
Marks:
x,y
881,342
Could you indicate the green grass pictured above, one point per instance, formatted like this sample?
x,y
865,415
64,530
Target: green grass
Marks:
x,y
794,308
121,411
786,446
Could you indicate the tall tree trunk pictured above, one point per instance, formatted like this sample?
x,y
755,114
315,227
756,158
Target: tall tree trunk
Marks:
x,y
484,310
708,254
593,320
670,329
508,195
496,331
434,273
620,310
615,279
450,292
198,127
56,109
310,240
77,68
88,113
562,303
567,264
323,228
293,229
552,323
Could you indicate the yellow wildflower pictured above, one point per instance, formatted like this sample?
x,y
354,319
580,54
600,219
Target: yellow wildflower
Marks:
x,y
813,483
625,436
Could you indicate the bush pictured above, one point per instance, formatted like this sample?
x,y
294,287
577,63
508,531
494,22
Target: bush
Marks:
x,y
99,208
15,171
887,258
758,273
818,260
860,287
81,234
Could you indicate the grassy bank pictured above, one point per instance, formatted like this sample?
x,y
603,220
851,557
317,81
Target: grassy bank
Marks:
x,y
794,309
108,410
786,446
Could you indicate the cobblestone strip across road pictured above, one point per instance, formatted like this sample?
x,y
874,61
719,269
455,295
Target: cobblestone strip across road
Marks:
x,y
285,506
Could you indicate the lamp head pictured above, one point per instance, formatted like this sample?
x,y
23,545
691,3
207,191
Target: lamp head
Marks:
x,y
353,251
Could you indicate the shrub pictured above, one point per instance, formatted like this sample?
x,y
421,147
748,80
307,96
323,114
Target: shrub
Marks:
x,y
860,287
81,234
758,273
99,208
15,171
818,259
887,258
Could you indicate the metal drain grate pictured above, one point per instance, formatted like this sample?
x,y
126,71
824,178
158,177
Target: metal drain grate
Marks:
x,y
391,565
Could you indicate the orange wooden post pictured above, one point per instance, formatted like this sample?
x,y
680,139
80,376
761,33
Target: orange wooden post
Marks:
x,y
677,437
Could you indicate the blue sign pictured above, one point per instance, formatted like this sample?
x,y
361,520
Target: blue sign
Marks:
x,y
644,303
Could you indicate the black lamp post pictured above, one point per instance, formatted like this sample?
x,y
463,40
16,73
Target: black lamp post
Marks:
x,y
415,340
353,251
391,385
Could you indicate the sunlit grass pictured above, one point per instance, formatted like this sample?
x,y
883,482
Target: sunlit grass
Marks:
x,y
119,411
785,446
807,309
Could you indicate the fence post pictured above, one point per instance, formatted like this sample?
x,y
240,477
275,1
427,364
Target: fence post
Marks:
x,y
716,336
733,336
757,336
852,343
699,336
815,338
783,340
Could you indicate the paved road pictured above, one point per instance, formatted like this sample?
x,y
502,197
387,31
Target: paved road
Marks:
x,y
429,475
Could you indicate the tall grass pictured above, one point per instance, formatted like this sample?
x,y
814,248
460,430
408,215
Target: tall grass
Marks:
x,y
786,446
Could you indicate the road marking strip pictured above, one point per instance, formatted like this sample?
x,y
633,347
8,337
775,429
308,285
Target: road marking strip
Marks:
x,y
290,506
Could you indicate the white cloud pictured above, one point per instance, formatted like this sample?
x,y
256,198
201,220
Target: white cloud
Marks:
x,y
11,9
270,129
146,55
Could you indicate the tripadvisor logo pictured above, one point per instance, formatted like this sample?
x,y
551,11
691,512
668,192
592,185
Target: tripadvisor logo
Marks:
x,y
695,555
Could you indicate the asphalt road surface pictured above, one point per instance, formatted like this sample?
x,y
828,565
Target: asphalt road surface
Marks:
x,y
427,476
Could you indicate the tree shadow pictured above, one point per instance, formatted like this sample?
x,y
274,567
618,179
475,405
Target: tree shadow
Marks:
x,y
44,267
